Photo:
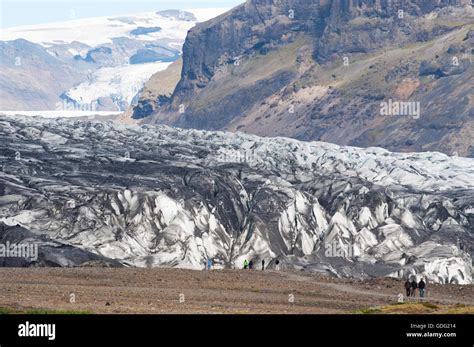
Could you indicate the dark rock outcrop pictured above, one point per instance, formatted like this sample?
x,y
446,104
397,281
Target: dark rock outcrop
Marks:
x,y
44,251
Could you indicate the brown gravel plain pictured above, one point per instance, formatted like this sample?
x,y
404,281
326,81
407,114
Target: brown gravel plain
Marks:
x,y
169,291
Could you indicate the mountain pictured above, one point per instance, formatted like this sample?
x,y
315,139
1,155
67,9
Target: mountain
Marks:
x,y
19,60
159,196
88,64
388,73
159,87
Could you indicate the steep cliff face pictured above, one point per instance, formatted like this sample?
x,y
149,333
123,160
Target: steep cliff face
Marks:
x,y
254,27
260,25
380,22
321,70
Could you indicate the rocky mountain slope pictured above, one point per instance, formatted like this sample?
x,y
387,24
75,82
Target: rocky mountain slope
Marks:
x,y
19,61
332,70
159,196
155,91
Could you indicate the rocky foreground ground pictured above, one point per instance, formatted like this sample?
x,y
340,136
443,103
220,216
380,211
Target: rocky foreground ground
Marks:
x,y
167,291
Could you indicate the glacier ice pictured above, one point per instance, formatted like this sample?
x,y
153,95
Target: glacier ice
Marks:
x,y
158,196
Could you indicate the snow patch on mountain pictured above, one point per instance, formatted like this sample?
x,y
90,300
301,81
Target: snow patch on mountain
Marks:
x,y
122,83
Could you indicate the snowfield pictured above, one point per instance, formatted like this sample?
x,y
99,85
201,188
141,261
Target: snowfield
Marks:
x,y
163,197
99,30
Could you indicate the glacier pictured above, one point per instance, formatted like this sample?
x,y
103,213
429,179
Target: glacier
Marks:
x,y
146,196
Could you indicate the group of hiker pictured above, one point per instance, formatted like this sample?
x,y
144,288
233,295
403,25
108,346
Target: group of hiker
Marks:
x,y
412,286
248,265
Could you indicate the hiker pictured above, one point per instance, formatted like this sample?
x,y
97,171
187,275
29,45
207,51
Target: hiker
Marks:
x,y
413,287
277,265
251,265
408,287
209,264
263,264
421,287
246,264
